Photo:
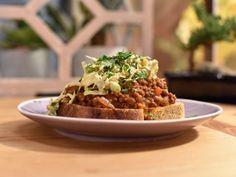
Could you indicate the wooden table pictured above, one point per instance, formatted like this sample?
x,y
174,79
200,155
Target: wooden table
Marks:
x,y
28,149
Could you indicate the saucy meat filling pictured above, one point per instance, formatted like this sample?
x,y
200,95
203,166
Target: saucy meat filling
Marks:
x,y
143,94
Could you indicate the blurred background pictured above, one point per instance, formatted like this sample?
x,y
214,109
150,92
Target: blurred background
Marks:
x,y
43,42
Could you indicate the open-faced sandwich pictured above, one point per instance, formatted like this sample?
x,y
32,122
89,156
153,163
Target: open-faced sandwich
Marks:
x,y
123,86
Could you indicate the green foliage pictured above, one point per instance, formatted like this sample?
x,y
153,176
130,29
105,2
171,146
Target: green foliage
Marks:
x,y
22,36
213,29
59,22
66,23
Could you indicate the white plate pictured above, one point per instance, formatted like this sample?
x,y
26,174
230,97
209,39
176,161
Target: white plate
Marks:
x,y
196,113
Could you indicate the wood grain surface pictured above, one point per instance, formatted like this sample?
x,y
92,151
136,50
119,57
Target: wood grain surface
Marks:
x,y
221,126
28,149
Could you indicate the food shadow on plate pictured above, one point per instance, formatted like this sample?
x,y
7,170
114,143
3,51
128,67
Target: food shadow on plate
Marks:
x,y
28,135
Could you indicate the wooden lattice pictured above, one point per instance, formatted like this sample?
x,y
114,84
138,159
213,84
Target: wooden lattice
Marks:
x,y
65,51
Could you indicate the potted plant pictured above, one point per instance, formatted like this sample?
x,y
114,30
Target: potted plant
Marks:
x,y
209,81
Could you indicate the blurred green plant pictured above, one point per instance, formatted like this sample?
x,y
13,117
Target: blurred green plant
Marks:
x,y
66,23
21,36
213,29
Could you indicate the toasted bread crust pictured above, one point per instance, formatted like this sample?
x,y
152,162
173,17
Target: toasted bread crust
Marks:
x,y
174,111
73,110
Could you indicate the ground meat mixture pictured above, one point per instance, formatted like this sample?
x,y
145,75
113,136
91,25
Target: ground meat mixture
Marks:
x,y
143,94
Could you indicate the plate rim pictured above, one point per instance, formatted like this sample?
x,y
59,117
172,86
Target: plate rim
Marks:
x,y
94,120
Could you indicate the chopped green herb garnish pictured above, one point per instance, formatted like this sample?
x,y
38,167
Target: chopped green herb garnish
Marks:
x,y
140,75
123,69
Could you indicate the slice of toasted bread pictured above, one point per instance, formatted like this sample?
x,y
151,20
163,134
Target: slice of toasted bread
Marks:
x,y
174,111
73,110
